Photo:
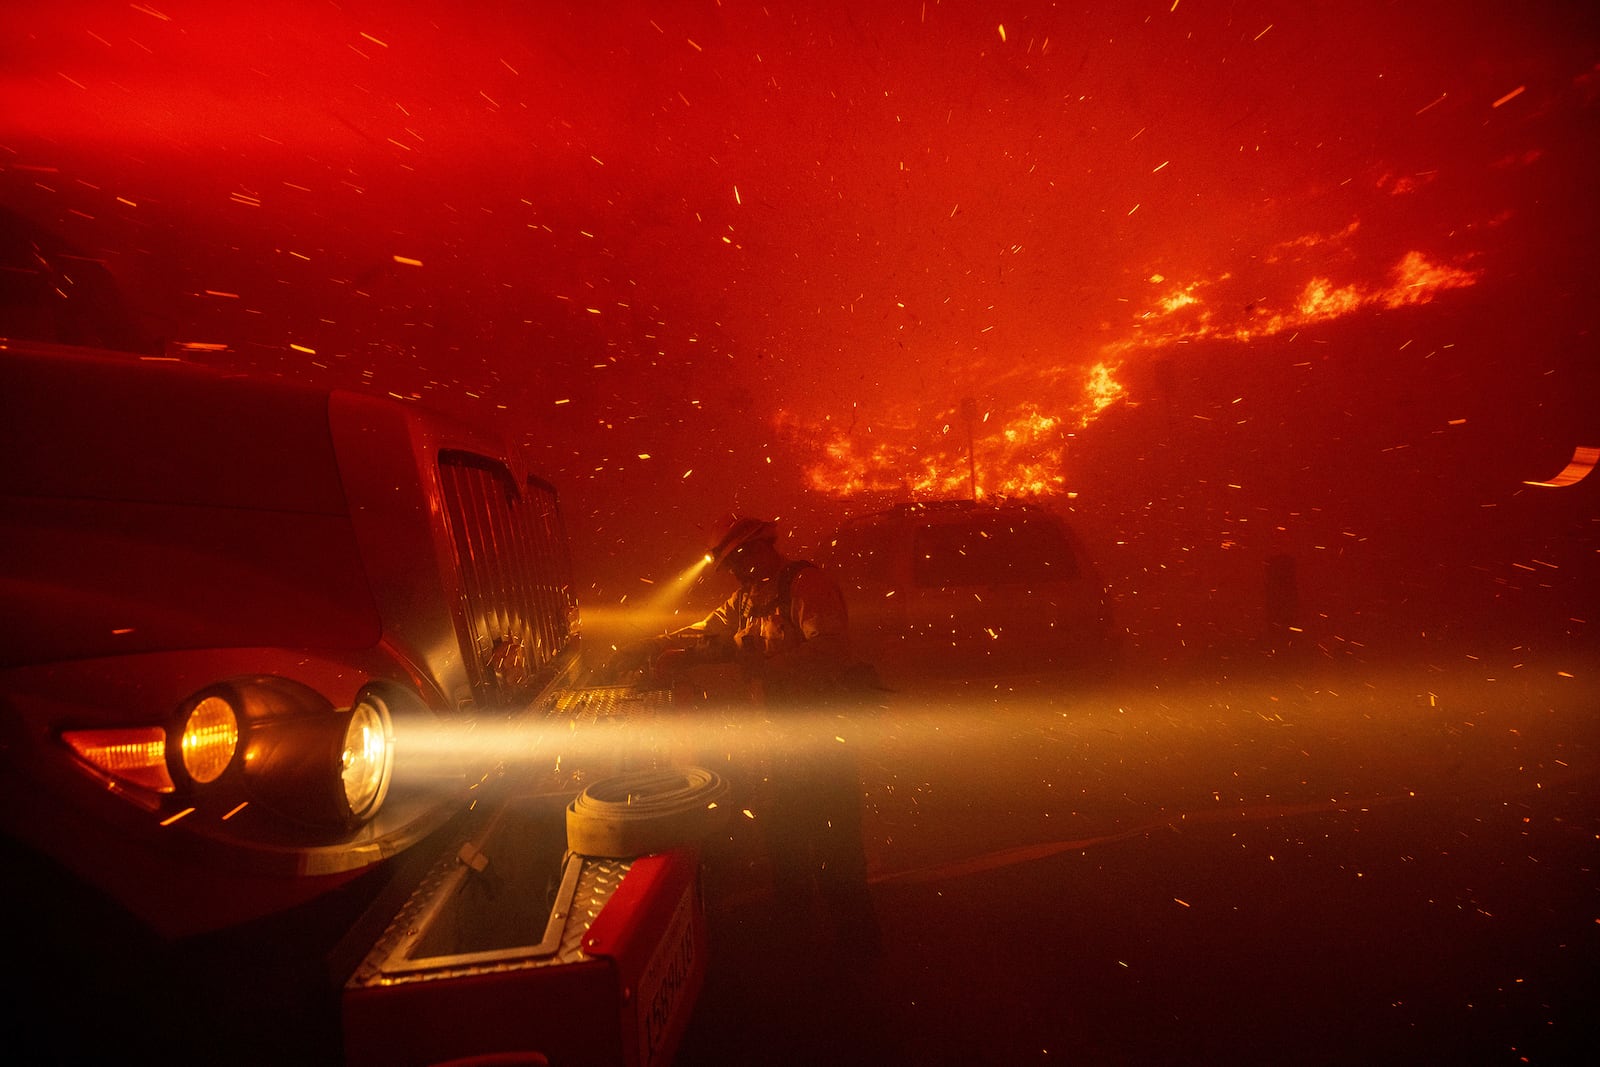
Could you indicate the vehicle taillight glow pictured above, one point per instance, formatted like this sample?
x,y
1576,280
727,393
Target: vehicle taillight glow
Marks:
x,y
137,756
210,738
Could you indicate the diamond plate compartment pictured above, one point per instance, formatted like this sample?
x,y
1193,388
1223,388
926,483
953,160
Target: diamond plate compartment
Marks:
x,y
510,898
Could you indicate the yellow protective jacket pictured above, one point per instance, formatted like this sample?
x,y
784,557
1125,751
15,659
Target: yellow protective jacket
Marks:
x,y
790,633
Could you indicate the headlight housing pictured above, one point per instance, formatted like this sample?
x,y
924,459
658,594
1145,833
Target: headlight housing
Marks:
x,y
270,742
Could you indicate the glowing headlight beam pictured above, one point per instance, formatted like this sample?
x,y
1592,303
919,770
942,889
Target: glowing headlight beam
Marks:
x,y
706,737
654,615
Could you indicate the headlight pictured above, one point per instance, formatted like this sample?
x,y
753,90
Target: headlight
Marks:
x,y
368,756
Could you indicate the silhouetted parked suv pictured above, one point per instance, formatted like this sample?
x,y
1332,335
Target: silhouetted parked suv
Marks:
x,y
971,588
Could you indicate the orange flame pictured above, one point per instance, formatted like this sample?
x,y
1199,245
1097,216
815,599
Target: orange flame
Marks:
x,y
1415,279
1103,390
1023,456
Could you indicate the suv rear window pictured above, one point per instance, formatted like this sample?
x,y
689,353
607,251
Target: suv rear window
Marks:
x,y
991,550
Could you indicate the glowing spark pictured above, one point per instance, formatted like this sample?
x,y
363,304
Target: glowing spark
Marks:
x,y
1263,33
169,820
1512,95
736,198
303,348
374,40
407,261
1583,461
1002,32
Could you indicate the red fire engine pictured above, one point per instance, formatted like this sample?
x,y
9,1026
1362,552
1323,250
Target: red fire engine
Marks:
x,y
270,648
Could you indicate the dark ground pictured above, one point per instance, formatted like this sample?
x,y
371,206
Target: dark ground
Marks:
x,y
1380,866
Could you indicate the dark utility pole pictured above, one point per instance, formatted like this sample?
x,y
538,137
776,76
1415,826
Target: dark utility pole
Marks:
x,y
969,414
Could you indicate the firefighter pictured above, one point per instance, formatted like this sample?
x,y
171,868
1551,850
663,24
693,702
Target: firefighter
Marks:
x,y
786,628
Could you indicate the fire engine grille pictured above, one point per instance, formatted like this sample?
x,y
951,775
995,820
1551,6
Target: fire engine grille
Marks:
x,y
515,573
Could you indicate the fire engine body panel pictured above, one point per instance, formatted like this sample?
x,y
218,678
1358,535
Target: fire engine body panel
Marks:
x,y
604,980
250,623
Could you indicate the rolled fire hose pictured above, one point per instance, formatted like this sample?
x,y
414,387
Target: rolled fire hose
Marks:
x,y
644,812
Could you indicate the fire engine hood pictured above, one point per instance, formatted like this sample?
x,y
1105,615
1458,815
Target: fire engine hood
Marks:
x,y
218,520
101,579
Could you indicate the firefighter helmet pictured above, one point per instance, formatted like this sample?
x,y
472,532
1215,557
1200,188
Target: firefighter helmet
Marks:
x,y
741,531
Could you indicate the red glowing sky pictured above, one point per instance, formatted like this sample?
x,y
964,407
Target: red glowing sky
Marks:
x,y
683,249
